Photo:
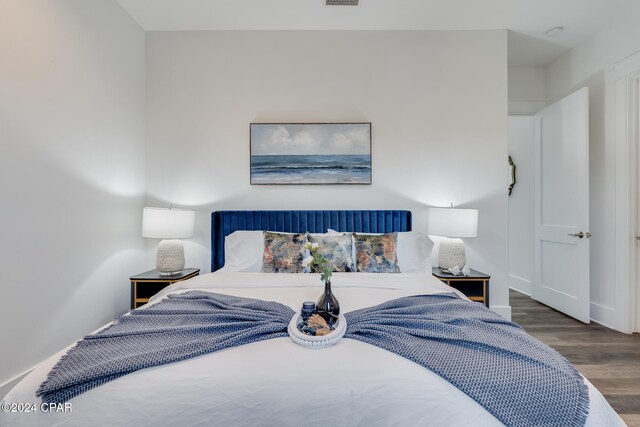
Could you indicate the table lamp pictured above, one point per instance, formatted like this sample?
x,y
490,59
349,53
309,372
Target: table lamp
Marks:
x,y
452,223
169,225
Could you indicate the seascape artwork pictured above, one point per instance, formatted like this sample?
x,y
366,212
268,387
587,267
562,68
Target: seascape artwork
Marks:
x,y
318,153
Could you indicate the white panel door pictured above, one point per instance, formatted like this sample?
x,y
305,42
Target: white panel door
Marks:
x,y
561,258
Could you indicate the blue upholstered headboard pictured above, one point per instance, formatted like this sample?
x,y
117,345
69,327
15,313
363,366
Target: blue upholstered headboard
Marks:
x,y
224,223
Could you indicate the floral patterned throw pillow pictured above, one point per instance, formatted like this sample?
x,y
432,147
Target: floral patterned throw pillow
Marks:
x,y
283,253
376,253
337,250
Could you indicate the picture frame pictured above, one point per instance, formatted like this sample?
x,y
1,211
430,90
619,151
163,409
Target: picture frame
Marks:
x,y
310,153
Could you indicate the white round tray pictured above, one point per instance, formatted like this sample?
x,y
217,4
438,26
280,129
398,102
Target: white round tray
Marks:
x,y
316,341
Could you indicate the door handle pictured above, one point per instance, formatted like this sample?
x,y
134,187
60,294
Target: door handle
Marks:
x,y
513,175
580,235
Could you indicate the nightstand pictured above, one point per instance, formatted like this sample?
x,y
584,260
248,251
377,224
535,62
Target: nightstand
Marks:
x,y
147,284
475,286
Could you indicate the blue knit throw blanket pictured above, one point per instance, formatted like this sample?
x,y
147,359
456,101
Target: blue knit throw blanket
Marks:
x,y
515,377
519,380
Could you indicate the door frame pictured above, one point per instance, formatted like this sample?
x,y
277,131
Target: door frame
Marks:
x,y
627,116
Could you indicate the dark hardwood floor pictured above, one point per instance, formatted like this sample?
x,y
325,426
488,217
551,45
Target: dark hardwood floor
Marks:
x,y
609,359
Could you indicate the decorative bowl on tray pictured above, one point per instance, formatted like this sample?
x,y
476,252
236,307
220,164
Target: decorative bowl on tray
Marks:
x,y
298,336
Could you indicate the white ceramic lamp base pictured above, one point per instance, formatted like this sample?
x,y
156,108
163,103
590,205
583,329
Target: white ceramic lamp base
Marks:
x,y
451,253
170,257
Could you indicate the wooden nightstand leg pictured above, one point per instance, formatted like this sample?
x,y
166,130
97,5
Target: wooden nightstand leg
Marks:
x,y
485,293
134,294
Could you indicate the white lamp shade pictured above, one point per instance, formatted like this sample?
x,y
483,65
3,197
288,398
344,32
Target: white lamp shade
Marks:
x,y
159,223
452,222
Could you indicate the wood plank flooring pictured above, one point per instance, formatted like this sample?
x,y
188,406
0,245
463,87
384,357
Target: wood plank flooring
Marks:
x,y
609,359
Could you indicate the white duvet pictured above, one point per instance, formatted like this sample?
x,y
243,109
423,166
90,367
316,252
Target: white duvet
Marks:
x,y
278,383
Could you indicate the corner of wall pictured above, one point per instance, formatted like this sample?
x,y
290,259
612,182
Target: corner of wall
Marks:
x,y
502,310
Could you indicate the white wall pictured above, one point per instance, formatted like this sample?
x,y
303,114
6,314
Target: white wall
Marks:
x,y
71,172
437,102
527,95
591,64
521,204
527,90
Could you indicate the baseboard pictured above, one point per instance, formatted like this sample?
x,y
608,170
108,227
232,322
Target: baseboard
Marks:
x,y
520,284
502,310
606,316
7,386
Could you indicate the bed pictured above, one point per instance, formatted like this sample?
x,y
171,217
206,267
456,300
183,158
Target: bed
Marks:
x,y
276,382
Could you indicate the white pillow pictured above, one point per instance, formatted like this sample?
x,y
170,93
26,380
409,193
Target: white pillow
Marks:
x,y
243,250
413,251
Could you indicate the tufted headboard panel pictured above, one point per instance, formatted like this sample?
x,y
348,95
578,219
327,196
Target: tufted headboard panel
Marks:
x,y
224,223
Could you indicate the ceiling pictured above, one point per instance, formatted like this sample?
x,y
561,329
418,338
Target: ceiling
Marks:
x,y
527,20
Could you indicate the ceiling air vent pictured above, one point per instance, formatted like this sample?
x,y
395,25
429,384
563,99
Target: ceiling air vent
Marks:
x,y
343,2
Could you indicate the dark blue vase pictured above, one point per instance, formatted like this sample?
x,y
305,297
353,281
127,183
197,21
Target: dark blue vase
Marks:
x,y
327,306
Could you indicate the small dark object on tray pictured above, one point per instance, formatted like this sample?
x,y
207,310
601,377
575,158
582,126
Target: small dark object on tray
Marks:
x,y
308,308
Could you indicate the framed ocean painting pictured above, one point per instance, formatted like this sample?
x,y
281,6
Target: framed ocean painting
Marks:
x,y
310,153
